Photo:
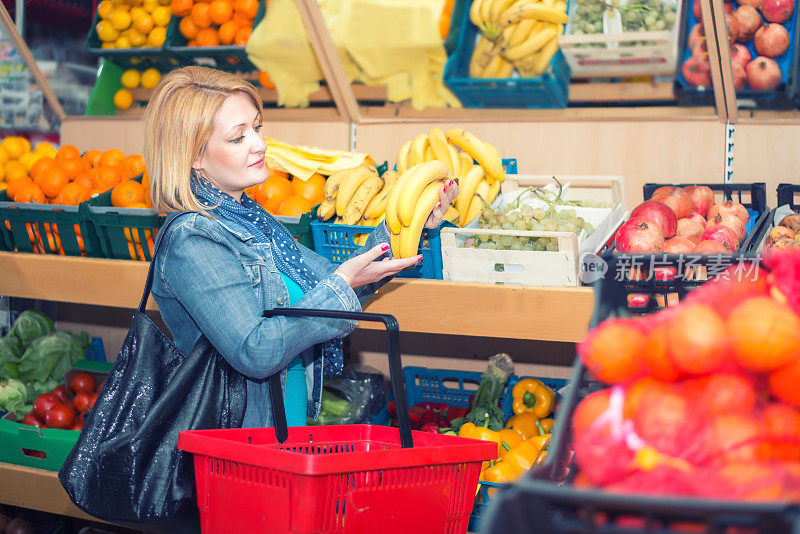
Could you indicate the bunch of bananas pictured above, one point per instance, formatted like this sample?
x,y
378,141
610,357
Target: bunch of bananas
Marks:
x,y
516,34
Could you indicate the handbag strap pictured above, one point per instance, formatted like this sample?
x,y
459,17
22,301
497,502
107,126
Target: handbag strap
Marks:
x,y
275,389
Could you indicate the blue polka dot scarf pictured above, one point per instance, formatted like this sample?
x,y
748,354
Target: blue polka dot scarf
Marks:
x,y
285,250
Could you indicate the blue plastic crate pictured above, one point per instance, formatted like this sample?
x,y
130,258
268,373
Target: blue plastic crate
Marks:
x,y
96,352
551,90
785,96
335,242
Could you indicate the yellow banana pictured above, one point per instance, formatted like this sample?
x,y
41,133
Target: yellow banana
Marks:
x,y
361,199
496,155
410,235
394,242
360,239
467,188
424,174
451,215
522,30
326,210
372,222
532,11
416,152
351,183
475,12
545,55
402,157
531,45
466,163
392,217
454,160
561,5
441,149
481,57
377,206
494,189
472,145
333,182
428,153
478,201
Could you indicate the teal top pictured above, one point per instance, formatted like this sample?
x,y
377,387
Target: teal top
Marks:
x,y
296,387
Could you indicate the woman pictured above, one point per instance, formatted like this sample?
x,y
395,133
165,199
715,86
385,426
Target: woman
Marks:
x,y
227,260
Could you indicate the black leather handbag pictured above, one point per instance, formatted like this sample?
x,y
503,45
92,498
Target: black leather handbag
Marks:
x,y
126,467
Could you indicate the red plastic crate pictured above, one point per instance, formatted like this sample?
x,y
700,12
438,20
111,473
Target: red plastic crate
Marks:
x,y
349,479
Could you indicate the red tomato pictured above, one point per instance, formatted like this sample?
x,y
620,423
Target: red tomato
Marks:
x,y
100,386
82,401
43,403
92,400
78,424
82,382
61,392
32,420
60,416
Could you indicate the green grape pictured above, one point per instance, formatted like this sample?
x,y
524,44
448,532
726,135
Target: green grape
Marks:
x,y
528,247
488,245
570,227
538,214
550,225
519,225
508,226
589,228
579,222
483,238
516,245
552,247
537,247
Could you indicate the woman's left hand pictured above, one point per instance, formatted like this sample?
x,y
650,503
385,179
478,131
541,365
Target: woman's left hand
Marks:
x,y
446,197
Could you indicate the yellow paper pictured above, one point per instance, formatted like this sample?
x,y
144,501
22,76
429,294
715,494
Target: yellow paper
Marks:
x,y
303,161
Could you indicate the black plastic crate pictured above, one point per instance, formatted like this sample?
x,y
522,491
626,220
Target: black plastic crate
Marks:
x,y
139,58
547,499
785,96
789,194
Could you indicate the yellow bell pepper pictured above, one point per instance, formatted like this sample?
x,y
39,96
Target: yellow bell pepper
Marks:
x,y
525,455
509,438
530,395
469,430
500,472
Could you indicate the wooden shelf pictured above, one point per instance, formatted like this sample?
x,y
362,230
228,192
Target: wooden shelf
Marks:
x,y
36,489
422,306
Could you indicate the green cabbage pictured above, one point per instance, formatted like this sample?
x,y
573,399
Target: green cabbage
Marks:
x,y
49,356
37,388
14,397
10,352
30,325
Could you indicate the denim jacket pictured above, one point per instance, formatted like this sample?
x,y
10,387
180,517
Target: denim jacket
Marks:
x,y
212,277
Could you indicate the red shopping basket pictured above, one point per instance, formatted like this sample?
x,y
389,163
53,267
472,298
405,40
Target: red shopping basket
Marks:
x,y
349,479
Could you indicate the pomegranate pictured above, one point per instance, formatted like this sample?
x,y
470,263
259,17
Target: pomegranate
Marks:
x,y
777,10
729,206
676,198
639,235
792,222
678,245
697,10
690,229
701,197
772,40
732,222
763,73
722,234
739,76
740,54
709,246
784,243
696,36
658,213
752,3
695,73
749,21
779,232
733,28
665,273
697,217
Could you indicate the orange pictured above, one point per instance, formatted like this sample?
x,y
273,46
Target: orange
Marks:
x,y
85,180
227,32
264,79
14,186
134,165
220,11
208,37
187,28
52,180
106,178
134,234
242,36
295,206
14,146
15,171
272,192
72,194
92,158
200,16
181,8
126,193
29,193
764,334
242,20
612,352
191,42
67,152
247,8
111,158
73,167
276,172
311,189
698,342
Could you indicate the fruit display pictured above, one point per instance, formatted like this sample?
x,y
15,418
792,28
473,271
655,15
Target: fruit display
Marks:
x,y
640,16
132,79
18,157
785,235
33,359
132,23
702,399
760,34
515,36
215,23
684,220
286,195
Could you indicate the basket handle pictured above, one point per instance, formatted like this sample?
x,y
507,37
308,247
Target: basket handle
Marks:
x,y
392,349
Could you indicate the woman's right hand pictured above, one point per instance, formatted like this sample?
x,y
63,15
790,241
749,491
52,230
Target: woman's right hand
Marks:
x,y
363,269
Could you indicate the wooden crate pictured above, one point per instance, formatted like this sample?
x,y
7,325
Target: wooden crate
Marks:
x,y
621,55
534,268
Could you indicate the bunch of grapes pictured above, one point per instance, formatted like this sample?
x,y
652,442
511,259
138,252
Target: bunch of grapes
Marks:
x,y
637,15
526,218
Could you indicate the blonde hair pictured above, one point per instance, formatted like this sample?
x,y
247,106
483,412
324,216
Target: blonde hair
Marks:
x,y
177,127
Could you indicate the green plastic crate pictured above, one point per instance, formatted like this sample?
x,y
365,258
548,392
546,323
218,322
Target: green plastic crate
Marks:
x,y
130,58
112,224
20,222
300,227
101,101
229,58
